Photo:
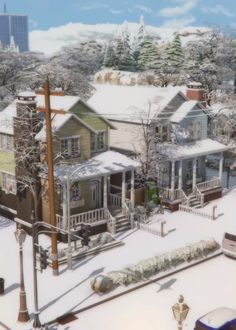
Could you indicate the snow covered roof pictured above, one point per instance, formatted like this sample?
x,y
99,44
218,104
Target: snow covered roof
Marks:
x,y
65,103
218,317
182,111
192,149
132,103
58,121
58,102
6,118
106,163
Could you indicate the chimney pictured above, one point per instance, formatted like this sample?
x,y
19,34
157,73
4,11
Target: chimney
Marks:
x,y
56,92
195,92
26,102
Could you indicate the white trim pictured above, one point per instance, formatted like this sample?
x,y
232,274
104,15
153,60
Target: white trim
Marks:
x,y
5,208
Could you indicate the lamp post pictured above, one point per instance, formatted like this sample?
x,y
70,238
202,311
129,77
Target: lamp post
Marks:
x,y
180,311
23,315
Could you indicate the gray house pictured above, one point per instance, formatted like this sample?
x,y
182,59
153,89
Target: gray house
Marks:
x,y
180,120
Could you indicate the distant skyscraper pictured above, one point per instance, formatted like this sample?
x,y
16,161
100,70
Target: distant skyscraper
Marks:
x,y
16,27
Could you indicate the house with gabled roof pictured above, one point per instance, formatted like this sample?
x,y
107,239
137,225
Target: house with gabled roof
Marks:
x,y
180,121
83,172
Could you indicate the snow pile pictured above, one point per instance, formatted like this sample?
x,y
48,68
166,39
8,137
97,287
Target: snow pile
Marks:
x,y
126,78
166,261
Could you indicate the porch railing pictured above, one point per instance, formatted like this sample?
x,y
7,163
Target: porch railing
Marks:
x,y
216,182
115,200
199,195
176,194
85,217
111,221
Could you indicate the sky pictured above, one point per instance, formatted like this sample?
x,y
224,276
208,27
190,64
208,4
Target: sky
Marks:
x,y
44,14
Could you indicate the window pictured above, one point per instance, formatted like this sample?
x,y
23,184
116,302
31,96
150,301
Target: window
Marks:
x,y
189,169
70,147
93,142
100,140
6,142
195,129
8,183
75,192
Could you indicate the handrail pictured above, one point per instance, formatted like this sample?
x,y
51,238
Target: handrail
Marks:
x,y
85,217
111,221
216,182
199,195
176,194
115,200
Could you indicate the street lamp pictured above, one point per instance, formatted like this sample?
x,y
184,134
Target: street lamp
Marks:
x,y
180,311
23,315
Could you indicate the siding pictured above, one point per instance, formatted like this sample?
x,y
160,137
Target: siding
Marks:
x,y
7,163
196,116
91,118
72,128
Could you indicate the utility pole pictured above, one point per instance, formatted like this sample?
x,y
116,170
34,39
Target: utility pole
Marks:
x,y
48,111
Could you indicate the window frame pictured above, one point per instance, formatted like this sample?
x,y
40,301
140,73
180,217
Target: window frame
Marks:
x,y
69,153
12,183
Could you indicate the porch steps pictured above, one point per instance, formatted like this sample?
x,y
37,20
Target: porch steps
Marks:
x,y
122,223
194,202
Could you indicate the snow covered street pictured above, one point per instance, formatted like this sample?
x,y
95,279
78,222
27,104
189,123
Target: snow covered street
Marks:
x,y
71,290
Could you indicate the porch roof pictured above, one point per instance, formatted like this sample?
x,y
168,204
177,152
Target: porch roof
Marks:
x,y
106,163
193,149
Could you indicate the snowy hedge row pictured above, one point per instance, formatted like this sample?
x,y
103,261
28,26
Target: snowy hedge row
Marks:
x,y
152,266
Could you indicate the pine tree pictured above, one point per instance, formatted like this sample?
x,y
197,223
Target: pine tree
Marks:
x,y
123,58
174,54
138,40
109,57
149,57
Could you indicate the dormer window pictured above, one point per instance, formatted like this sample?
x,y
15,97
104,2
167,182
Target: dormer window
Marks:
x,y
70,147
98,141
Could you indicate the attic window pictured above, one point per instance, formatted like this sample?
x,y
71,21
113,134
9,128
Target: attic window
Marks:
x,y
8,183
70,147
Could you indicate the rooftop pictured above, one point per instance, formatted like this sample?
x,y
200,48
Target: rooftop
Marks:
x,y
192,149
106,163
134,104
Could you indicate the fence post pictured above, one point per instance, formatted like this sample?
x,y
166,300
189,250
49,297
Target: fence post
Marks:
x,y
214,212
162,228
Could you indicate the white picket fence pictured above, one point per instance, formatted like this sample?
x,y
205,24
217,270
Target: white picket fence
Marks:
x,y
148,228
192,210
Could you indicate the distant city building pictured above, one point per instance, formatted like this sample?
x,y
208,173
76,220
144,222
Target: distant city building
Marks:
x,y
14,30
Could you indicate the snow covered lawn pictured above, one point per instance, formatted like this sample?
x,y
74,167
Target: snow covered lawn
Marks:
x,y
71,290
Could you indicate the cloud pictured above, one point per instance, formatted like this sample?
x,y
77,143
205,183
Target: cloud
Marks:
x,y
144,9
32,23
115,11
217,10
179,23
178,10
95,5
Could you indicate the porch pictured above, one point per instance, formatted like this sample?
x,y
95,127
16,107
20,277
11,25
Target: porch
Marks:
x,y
187,183
101,207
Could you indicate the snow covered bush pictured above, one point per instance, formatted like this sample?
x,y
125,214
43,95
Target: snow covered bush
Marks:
x,y
101,239
149,267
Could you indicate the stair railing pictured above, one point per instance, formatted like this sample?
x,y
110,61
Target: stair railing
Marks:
x,y
199,195
111,222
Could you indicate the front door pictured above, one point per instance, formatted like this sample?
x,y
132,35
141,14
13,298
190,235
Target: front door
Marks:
x,y
94,194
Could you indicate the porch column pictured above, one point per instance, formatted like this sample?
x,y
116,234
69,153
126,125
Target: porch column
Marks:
x,y
194,173
64,205
123,189
221,166
132,196
172,187
105,192
180,174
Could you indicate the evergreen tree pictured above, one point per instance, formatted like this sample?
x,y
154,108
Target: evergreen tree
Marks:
x,y
109,60
123,58
138,40
174,54
149,57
